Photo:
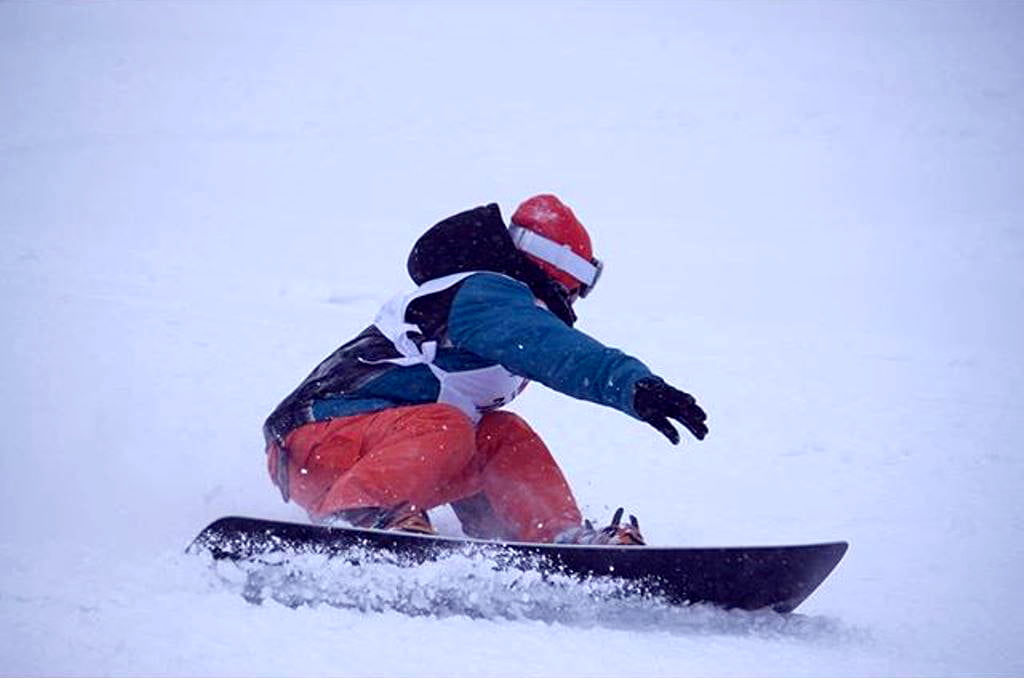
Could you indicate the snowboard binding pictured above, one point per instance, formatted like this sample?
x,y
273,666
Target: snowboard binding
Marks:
x,y
614,534
403,517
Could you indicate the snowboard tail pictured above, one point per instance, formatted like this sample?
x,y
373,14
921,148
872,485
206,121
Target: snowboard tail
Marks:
x,y
747,578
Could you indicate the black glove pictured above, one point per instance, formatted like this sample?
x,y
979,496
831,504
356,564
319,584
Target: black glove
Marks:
x,y
655,401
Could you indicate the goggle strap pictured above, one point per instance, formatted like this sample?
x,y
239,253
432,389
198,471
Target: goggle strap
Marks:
x,y
560,256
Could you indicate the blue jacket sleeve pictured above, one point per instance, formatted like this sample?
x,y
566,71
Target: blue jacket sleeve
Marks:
x,y
497,318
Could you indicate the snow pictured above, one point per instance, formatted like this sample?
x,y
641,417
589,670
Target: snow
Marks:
x,y
810,214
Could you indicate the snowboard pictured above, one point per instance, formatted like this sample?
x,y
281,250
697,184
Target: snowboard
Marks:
x,y
747,578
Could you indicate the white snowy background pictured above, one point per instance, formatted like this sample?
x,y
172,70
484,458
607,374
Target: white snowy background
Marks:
x,y
811,215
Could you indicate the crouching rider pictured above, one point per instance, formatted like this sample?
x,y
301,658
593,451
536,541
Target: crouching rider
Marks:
x,y
407,416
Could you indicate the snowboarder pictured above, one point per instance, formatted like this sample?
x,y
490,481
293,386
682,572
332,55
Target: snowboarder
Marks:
x,y
406,416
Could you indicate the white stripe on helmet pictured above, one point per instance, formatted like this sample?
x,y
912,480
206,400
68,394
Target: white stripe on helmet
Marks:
x,y
560,256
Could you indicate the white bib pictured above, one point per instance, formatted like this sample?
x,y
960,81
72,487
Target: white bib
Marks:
x,y
475,392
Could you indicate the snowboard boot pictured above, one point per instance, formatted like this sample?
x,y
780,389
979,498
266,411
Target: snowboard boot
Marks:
x,y
614,534
404,517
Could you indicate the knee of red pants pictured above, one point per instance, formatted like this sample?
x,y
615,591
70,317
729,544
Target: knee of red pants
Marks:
x,y
496,432
500,428
522,479
409,454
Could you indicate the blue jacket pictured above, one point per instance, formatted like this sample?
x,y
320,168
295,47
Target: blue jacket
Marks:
x,y
482,320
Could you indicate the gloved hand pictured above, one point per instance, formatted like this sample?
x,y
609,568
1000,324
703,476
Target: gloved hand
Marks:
x,y
655,401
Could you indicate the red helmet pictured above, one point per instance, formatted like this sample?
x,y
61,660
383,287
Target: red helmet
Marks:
x,y
546,229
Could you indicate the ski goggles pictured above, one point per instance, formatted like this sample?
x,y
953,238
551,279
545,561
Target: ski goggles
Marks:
x,y
587,271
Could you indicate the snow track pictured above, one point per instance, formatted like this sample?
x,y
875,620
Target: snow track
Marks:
x,y
477,587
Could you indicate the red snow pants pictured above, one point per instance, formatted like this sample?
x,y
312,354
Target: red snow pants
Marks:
x,y
499,476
